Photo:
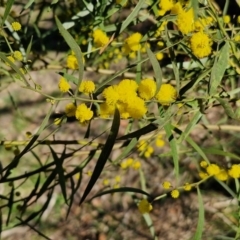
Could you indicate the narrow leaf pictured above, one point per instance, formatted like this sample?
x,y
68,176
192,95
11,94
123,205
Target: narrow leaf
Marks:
x,y
122,189
197,148
137,134
75,48
190,126
173,145
200,224
131,17
156,68
7,10
195,7
227,107
104,154
219,68
127,149
10,205
59,169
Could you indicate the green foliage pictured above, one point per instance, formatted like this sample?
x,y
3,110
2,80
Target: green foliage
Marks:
x,y
142,102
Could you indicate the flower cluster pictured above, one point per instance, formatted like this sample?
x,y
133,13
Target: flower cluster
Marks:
x,y
100,38
220,173
200,42
129,97
124,96
130,163
145,148
132,43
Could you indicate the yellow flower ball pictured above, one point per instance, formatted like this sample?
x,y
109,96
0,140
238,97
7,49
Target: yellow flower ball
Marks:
x,y
185,21
70,110
16,26
222,175
132,43
200,44
213,169
144,206
83,113
234,171
147,89
100,38
87,87
72,62
166,185
187,187
226,19
167,94
175,193
18,55
63,85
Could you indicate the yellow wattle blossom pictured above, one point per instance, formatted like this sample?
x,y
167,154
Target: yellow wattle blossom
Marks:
x,y
70,110
185,21
142,145
83,113
89,173
18,55
147,89
200,44
136,108
222,175
187,187
160,44
63,85
166,185
175,193
111,95
117,179
202,23
203,164
234,171
106,182
167,94
177,8
159,142
203,175
10,58
165,5
16,26
144,206
159,56
213,169
136,165
127,163
238,19
132,43
160,29
132,55
127,91
236,38
100,38
72,62
148,152
226,19
87,87
106,110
